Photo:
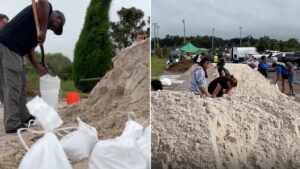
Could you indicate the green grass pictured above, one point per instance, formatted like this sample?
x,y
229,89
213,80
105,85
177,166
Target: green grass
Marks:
x,y
68,86
158,66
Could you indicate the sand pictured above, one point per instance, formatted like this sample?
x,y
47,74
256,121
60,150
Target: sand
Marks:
x,y
123,89
256,127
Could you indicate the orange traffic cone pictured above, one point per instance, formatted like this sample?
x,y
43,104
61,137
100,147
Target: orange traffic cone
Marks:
x,y
72,97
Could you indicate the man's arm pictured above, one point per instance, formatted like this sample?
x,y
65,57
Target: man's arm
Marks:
x,y
32,58
43,13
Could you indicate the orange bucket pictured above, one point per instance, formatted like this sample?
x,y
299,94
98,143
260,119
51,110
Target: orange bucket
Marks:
x,y
72,97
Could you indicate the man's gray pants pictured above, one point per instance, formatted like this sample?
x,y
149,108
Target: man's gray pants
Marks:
x,y
12,88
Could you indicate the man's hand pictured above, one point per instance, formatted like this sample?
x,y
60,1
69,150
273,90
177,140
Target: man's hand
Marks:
x,y
41,37
41,71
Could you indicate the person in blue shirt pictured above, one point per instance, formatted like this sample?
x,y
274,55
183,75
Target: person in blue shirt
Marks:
x,y
263,67
198,83
282,73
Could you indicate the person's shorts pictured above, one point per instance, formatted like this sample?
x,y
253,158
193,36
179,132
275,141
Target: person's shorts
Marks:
x,y
285,76
291,79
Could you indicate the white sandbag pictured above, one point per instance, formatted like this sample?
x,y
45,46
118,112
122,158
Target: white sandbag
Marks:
x,y
46,153
144,143
78,145
166,81
45,114
132,129
119,153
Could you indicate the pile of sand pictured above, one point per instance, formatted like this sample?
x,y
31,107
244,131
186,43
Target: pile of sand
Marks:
x,y
125,88
246,130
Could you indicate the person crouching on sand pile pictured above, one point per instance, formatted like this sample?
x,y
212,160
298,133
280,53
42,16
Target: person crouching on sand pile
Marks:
x,y
227,83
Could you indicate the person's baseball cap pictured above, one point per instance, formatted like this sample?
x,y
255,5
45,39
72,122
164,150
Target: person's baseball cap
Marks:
x,y
59,31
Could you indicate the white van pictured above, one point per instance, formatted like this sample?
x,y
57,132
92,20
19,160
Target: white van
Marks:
x,y
243,53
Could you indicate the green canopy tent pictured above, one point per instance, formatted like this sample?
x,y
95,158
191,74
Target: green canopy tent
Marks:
x,y
189,48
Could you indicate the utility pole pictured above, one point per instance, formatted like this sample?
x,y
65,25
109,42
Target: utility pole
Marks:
x,y
157,37
154,34
249,40
240,36
212,41
183,21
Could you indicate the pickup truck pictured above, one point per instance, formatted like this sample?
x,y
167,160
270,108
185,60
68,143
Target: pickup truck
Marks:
x,y
294,58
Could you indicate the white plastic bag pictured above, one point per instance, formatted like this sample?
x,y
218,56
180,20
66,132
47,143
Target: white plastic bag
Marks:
x,y
78,145
45,114
132,128
121,152
144,143
46,153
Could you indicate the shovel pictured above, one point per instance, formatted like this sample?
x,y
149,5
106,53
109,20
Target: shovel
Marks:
x,y
37,26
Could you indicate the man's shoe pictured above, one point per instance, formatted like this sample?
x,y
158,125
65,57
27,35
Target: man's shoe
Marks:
x,y
16,129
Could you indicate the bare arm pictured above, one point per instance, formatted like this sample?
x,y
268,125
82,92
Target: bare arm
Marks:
x,y
217,90
32,58
278,77
43,13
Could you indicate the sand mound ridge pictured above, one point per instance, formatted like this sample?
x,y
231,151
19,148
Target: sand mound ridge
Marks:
x,y
246,130
123,89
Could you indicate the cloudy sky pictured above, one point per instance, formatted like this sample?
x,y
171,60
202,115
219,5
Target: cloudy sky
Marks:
x,y
275,18
74,11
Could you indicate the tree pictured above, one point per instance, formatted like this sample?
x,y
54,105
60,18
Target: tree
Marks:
x,y
124,31
59,64
93,51
165,52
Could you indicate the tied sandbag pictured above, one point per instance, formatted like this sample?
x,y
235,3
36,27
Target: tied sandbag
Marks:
x,y
79,144
122,152
47,152
46,115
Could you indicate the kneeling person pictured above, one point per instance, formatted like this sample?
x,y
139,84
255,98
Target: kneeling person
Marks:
x,y
216,87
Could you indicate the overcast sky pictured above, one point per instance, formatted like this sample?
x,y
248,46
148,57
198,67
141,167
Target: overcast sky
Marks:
x,y
275,18
74,11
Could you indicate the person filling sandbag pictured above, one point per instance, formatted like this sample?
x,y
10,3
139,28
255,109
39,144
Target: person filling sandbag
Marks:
x,y
199,76
227,83
281,73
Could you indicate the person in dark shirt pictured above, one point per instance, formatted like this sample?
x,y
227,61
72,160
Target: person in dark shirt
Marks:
x,y
281,73
17,39
263,67
221,68
227,83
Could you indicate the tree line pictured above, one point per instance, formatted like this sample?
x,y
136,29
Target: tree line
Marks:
x,y
220,44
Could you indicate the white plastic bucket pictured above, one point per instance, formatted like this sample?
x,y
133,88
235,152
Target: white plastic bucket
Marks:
x,y
51,98
49,89
49,83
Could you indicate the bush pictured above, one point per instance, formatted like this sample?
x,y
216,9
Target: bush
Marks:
x,y
93,50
